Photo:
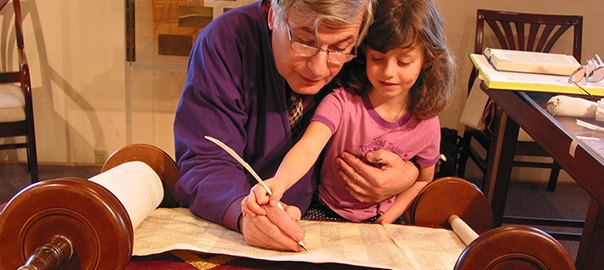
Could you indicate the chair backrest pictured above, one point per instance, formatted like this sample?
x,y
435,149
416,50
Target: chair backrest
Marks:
x,y
13,77
510,28
2,3
21,75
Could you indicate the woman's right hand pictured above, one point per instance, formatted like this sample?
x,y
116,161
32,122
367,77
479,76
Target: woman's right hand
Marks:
x,y
277,230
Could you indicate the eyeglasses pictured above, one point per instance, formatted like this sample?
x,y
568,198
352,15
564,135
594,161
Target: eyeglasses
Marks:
x,y
592,72
308,51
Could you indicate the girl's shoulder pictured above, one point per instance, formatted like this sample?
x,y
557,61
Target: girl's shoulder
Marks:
x,y
342,97
344,92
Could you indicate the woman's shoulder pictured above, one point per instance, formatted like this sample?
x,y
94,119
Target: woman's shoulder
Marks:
x,y
239,22
248,12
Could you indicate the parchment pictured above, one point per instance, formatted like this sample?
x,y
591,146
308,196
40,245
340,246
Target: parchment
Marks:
x,y
372,245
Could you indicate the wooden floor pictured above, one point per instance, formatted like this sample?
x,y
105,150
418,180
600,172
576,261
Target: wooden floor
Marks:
x,y
524,199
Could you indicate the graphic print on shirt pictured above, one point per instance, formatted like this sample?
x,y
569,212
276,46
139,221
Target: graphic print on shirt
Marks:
x,y
377,144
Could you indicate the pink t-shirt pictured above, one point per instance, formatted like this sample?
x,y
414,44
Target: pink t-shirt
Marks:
x,y
357,128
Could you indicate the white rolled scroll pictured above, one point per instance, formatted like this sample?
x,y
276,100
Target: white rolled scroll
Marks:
x,y
572,106
465,233
600,110
136,186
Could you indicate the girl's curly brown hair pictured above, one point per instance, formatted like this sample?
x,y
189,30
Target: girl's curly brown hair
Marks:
x,y
406,24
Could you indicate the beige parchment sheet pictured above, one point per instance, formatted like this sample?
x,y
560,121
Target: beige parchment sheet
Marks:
x,y
372,245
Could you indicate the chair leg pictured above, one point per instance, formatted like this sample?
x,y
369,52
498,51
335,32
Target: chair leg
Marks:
x,y
461,165
32,158
464,154
553,177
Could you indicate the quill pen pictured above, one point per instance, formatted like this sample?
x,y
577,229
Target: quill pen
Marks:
x,y
249,169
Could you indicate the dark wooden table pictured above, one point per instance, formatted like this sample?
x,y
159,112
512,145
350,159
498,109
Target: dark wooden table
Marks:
x,y
555,135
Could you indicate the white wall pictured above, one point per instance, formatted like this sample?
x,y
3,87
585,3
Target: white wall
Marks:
x,y
86,96
76,57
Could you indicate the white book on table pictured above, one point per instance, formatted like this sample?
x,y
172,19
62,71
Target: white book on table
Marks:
x,y
524,81
532,62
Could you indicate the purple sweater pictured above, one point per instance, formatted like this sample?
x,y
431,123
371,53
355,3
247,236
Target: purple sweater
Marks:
x,y
234,93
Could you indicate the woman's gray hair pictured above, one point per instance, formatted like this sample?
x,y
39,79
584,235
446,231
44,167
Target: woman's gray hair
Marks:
x,y
338,11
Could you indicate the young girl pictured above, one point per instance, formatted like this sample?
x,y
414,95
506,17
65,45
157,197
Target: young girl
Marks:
x,y
390,100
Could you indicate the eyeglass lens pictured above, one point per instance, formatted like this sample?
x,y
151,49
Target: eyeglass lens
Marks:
x,y
578,74
594,76
308,51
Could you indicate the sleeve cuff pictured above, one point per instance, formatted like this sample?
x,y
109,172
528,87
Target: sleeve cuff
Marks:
x,y
232,214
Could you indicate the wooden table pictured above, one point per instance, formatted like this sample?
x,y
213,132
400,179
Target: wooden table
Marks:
x,y
555,135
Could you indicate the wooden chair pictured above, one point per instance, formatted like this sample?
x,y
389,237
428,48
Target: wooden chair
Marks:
x,y
16,109
525,32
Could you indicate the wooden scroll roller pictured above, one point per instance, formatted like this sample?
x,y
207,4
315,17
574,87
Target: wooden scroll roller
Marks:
x,y
456,202
73,223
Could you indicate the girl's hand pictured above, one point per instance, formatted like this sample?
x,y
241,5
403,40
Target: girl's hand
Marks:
x,y
259,196
386,219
